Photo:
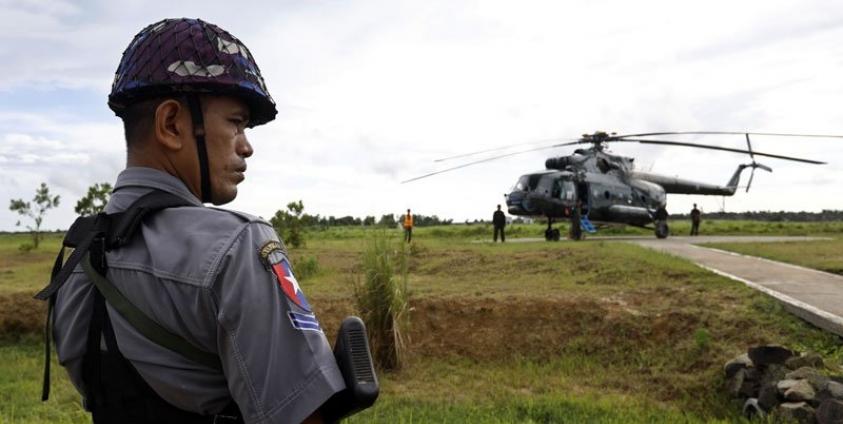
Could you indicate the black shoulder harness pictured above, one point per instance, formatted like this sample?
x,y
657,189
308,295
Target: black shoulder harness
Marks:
x,y
91,237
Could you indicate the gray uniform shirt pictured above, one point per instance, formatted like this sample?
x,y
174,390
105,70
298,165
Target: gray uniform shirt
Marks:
x,y
222,281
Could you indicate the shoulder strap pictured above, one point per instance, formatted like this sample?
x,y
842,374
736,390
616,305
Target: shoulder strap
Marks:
x,y
117,230
113,231
144,324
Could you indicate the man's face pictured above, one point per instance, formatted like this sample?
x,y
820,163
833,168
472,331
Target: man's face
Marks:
x,y
226,119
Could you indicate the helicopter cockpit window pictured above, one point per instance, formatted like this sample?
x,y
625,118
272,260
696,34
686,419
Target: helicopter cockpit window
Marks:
x,y
523,184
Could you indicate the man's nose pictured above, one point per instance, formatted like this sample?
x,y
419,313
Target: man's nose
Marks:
x,y
244,148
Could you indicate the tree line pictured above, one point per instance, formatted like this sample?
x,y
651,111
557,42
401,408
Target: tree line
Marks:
x,y
291,222
771,216
387,220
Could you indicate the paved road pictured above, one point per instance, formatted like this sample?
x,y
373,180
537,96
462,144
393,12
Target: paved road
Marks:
x,y
813,295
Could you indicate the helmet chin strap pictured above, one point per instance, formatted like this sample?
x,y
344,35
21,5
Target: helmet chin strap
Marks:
x,y
199,132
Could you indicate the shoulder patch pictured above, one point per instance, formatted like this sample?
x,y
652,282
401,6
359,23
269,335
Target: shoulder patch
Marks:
x,y
289,285
268,248
274,255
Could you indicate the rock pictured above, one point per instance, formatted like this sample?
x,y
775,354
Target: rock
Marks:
x,y
801,373
772,374
808,360
762,356
813,376
815,360
768,397
819,381
802,391
830,412
785,385
735,383
751,409
749,388
754,374
737,363
835,389
799,411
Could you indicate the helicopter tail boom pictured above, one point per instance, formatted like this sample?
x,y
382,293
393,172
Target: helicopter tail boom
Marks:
x,y
675,185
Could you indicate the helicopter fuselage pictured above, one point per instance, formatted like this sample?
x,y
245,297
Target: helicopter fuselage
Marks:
x,y
604,198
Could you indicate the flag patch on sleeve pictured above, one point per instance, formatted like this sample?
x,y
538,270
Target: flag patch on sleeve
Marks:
x,y
301,316
289,285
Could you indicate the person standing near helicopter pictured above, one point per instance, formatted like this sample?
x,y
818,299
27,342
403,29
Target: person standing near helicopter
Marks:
x,y
576,216
408,226
696,217
499,222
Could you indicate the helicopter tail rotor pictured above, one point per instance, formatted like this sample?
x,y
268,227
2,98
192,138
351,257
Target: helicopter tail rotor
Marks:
x,y
752,174
754,164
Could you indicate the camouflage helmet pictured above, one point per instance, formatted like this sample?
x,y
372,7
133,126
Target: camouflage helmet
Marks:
x,y
174,57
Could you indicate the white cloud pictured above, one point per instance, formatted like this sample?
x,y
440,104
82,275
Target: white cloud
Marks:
x,y
370,93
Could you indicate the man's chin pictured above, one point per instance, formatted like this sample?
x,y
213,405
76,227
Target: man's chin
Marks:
x,y
222,198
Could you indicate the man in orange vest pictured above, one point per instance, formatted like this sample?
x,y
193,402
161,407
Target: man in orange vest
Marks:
x,y
408,226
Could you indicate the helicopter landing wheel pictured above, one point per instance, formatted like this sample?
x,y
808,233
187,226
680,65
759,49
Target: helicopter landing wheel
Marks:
x,y
551,234
662,230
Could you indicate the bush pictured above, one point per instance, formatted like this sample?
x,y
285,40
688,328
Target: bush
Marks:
x,y
702,339
382,298
305,268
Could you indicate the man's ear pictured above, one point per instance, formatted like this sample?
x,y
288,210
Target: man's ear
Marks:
x,y
171,127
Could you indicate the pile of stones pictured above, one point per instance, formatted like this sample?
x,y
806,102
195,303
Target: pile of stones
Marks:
x,y
774,380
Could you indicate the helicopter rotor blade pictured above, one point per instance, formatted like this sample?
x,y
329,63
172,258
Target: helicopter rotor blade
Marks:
x,y
751,176
749,147
621,137
726,149
462,155
491,159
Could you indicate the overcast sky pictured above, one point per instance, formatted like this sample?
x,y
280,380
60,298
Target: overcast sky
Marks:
x,y
371,92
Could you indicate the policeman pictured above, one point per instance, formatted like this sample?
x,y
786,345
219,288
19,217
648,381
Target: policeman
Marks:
x,y
216,280
499,222
696,216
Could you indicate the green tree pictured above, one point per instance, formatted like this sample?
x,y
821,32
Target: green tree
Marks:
x,y
43,202
94,202
388,221
288,224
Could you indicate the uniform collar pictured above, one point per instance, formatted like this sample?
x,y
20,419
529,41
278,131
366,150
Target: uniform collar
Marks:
x,y
153,178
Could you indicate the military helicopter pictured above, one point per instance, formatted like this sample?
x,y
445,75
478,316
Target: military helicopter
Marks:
x,y
593,187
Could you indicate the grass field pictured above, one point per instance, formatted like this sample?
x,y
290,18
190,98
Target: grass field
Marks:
x,y
525,332
824,255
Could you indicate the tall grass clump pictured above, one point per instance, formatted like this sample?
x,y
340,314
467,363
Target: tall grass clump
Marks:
x,y
380,292
305,267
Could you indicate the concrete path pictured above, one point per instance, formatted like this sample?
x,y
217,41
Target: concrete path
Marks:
x,y
813,295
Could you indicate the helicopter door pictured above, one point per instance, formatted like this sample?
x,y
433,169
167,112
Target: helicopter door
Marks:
x,y
582,194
